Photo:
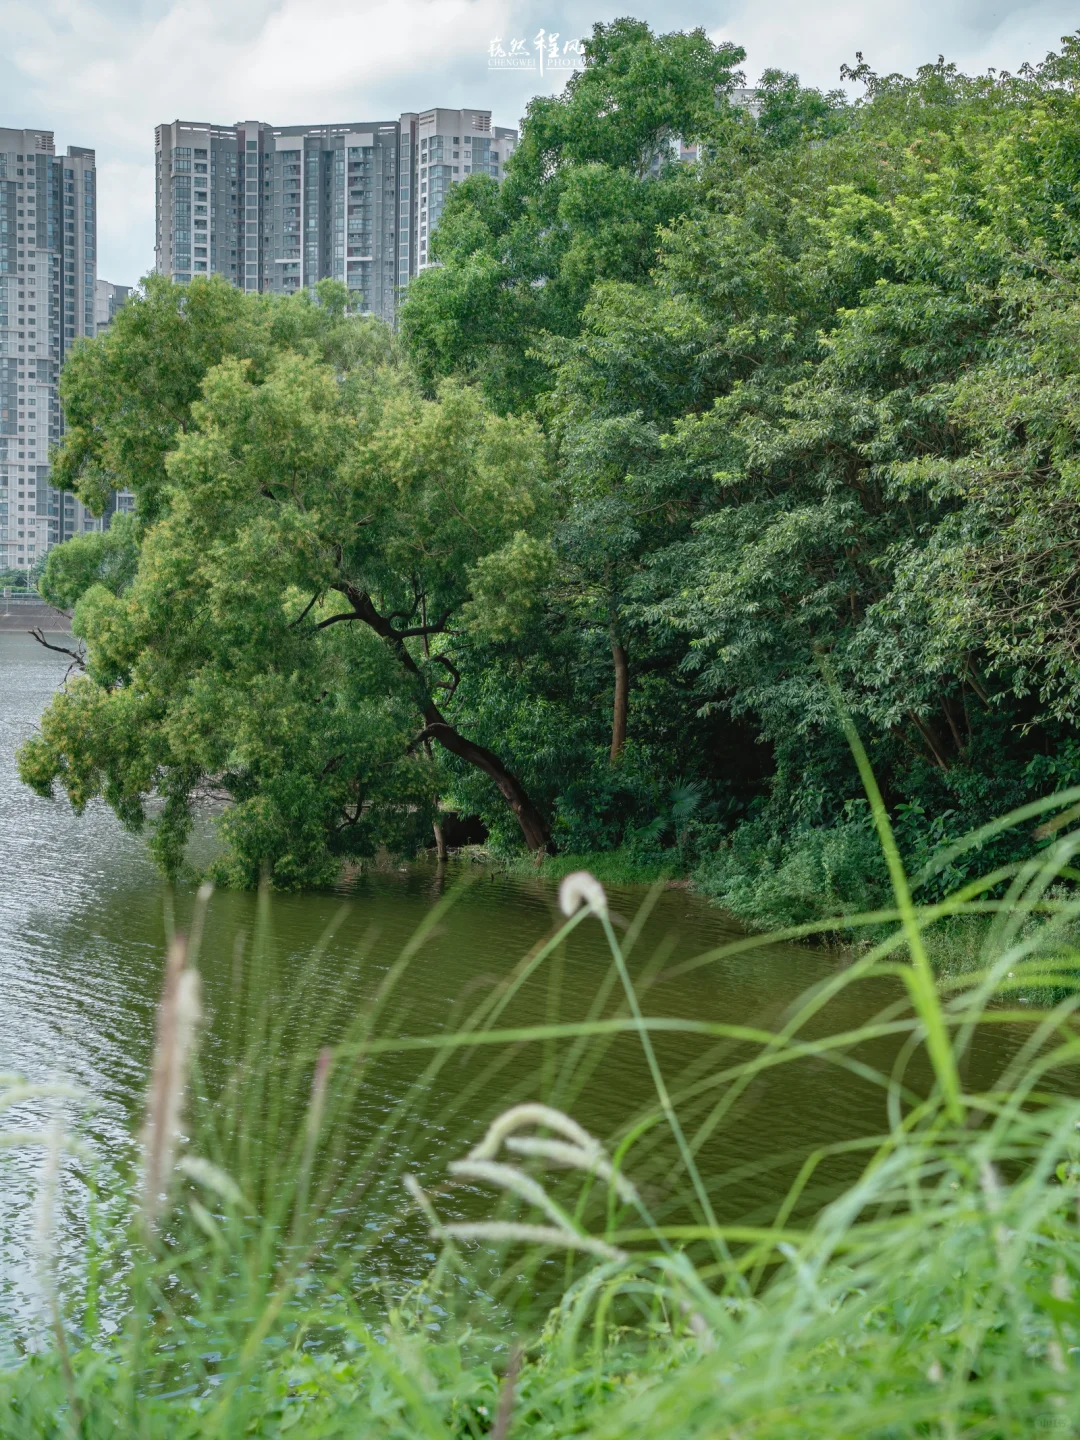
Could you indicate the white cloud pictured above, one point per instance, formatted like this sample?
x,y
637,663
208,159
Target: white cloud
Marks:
x,y
301,59
247,58
814,40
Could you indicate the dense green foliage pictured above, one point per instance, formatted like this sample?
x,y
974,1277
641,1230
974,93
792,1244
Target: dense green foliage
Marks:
x,y
828,411
665,441
581,203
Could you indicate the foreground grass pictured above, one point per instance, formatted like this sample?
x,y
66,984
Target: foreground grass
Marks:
x,y
947,1308
935,1295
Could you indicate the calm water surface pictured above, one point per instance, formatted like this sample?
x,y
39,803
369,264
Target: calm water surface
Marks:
x,y
82,927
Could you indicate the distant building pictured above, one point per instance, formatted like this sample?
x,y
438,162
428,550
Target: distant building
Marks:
x,y
108,298
747,99
676,148
48,263
447,145
277,208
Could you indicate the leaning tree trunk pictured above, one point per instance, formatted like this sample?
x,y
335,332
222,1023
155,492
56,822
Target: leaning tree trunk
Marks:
x,y
534,827
437,830
622,698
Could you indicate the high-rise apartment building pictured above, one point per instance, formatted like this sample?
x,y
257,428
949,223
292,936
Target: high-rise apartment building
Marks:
x,y
48,262
447,145
277,208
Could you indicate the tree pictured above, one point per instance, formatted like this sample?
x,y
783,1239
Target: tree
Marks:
x,y
99,557
585,196
313,534
673,438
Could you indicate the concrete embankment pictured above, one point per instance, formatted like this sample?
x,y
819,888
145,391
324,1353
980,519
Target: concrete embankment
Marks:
x,y
18,612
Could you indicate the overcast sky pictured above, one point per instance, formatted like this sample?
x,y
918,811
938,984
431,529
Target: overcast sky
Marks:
x,y
103,73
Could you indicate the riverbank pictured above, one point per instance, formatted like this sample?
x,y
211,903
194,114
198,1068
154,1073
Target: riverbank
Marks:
x,y
23,613
611,867
956,945
857,1347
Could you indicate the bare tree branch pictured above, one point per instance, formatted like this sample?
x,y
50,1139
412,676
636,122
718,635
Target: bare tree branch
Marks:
x,y
304,613
333,619
455,674
77,656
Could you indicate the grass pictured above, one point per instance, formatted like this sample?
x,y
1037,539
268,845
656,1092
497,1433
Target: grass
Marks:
x,y
611,867
583,1285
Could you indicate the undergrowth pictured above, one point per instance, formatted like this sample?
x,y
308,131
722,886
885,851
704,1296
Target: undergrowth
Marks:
x,y
611,867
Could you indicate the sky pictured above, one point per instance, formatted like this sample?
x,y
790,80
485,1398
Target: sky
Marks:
x,y
103,73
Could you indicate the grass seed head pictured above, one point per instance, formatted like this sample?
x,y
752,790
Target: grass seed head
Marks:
x,y
179,1012
581,888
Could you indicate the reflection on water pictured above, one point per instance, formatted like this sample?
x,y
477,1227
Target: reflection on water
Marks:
x,y
81,938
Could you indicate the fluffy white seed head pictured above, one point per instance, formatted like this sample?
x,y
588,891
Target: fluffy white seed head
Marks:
x,y
179,1012
581,888
45,1218
592,1160
509,1231
530,1113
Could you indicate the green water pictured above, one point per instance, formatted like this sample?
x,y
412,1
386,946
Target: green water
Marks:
x,y
82,929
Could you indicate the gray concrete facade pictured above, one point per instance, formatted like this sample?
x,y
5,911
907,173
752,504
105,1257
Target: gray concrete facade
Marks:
x,y
48,269
275,209
451,144
108,299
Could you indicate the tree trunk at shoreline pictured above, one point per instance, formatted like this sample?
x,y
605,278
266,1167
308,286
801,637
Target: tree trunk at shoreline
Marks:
x,y
622,698
534,827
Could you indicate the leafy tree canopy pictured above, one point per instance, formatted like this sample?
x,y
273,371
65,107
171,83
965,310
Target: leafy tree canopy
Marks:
x,y
585,193
309,528
830,413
